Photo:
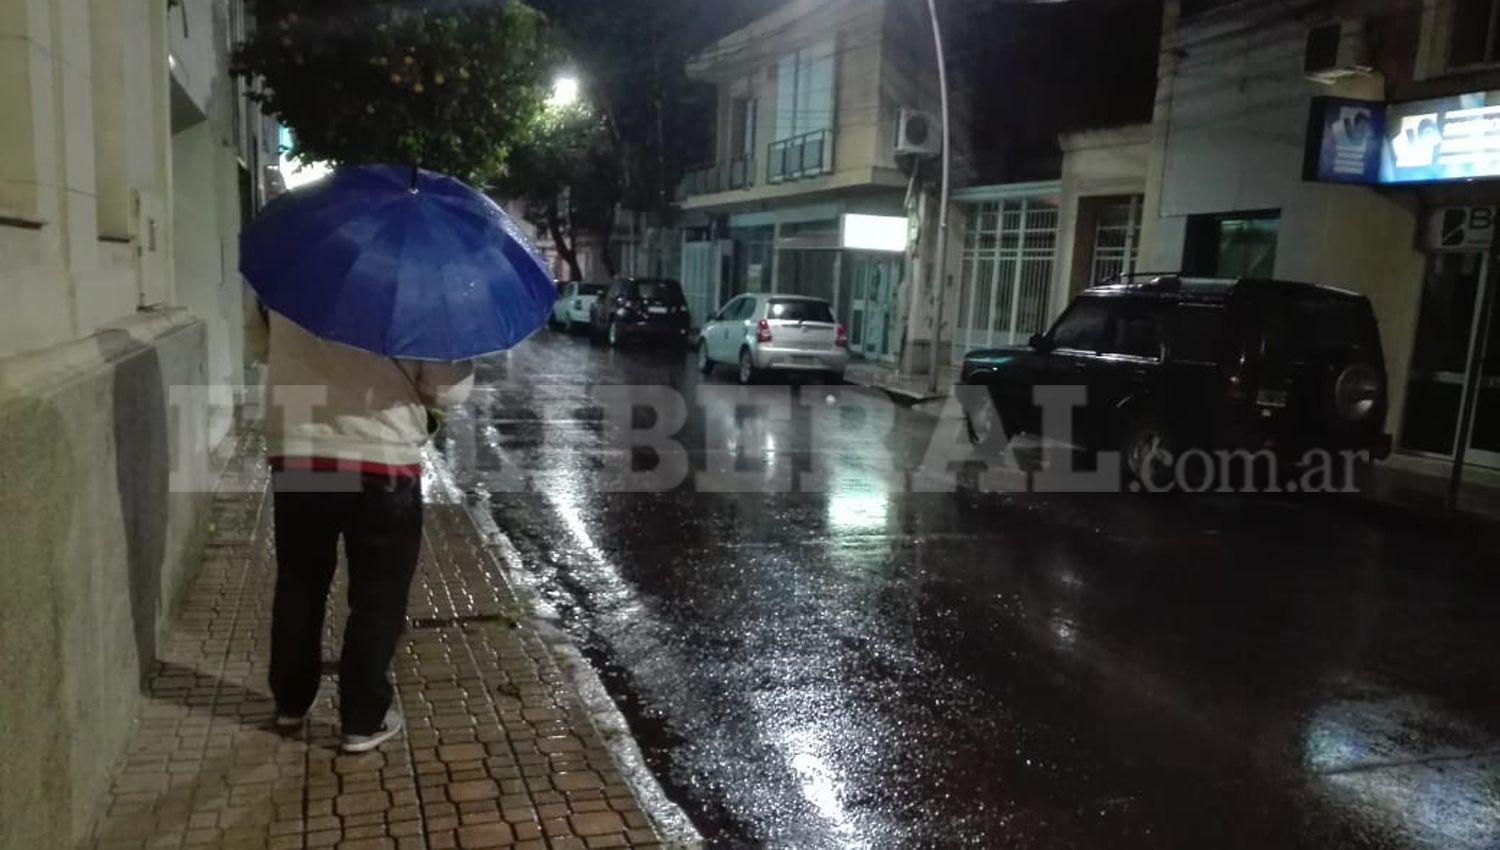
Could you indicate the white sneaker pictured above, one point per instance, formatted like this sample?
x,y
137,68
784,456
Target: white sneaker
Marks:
x,y
388,730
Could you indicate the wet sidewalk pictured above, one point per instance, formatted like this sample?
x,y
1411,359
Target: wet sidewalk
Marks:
x,y
500,750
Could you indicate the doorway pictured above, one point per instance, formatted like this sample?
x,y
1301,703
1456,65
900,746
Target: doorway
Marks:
x,y
872,306
1448,332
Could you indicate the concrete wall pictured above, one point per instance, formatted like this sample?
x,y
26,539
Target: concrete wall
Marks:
x,y
119,283
97,549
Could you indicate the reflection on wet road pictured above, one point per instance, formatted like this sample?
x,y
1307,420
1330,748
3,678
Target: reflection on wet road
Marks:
x,y
860,668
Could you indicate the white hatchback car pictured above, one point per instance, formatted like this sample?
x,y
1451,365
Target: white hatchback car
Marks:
x,y
571,312
762,333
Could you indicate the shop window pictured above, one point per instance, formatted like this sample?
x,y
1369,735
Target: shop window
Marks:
x,y
1474,33
1235,245
1441,352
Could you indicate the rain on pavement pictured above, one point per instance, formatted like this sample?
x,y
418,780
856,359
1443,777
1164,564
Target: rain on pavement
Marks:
x,y
862,668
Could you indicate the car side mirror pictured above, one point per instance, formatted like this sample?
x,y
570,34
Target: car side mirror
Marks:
x,y
1041,343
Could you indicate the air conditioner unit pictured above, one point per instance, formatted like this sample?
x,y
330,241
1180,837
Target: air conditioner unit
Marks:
x,y
918,133
1335,51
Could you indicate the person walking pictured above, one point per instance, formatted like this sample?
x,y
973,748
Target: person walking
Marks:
x,y
384,283
344,436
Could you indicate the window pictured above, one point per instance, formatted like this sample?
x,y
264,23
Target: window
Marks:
x,y
1135,332
1473,30
1082,327
1233,245
591,289
798,310
804,91
667,291
1198,333
1117,237
742,129
745,310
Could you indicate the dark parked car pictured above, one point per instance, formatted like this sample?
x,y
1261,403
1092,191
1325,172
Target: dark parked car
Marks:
x,y
641,308
1179,363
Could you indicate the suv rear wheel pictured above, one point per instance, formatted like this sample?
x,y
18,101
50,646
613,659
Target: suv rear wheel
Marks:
x,y
1145,451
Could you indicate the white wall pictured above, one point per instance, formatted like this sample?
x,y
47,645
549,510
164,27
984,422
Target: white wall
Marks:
x,y
97,544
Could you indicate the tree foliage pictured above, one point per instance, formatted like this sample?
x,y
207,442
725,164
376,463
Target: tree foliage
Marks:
x,y
632,55
447,84
568,172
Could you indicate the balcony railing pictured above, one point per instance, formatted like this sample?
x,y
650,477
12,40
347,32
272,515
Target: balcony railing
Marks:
x,y
799,157
737,173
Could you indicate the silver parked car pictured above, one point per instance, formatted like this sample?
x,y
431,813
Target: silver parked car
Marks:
x,y
762,333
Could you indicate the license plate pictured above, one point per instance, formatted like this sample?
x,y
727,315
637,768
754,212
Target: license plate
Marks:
x,y
1271,398
657,311
803,360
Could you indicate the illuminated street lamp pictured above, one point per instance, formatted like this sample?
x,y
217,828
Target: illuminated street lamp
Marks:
x,y
564,91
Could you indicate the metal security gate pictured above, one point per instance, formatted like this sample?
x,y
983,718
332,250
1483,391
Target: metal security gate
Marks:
x,y
1010,246
1117,238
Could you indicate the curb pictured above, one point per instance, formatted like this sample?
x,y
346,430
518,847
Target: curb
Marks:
x,y
672,825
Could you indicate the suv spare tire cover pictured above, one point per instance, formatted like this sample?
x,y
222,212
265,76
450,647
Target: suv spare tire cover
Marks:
x,y
1354,390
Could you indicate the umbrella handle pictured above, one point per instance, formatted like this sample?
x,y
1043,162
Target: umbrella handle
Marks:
x,y
414,174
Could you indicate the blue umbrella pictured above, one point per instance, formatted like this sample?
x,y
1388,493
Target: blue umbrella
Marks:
x,y
400,263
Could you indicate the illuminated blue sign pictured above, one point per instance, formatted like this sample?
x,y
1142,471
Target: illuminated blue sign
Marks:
x,y
1344,141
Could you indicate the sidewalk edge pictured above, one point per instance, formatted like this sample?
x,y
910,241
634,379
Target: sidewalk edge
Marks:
x,y
672,825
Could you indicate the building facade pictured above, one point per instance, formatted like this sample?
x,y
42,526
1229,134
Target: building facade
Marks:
x,y
806,194
128,159
1350,144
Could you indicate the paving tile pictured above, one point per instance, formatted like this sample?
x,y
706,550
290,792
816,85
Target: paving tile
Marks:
x,y
498,751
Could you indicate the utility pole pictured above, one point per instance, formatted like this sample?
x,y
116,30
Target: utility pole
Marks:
x,y
940,273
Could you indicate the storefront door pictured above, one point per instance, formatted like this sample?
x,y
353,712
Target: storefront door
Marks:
x,y
1448,326
872,306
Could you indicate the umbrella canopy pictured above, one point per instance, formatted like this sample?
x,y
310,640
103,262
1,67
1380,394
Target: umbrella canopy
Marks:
x,y
398,262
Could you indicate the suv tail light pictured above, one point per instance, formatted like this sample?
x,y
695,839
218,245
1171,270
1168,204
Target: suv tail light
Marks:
x,y
763,331
842,340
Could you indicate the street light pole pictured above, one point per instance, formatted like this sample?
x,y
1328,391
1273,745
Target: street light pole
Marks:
x,y
940,272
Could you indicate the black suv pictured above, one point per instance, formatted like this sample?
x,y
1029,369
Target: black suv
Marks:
x,y
641,308
1177,363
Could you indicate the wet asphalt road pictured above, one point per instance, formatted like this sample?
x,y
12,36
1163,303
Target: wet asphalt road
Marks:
x,y
862,668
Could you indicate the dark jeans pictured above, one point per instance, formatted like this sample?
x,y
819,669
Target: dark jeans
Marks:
x,y
380,519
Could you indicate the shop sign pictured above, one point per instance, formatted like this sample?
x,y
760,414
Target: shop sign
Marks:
x,y
1423,141
1450,138
886,233
1461,229
1344,141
